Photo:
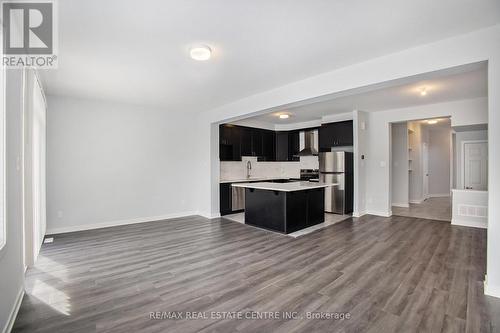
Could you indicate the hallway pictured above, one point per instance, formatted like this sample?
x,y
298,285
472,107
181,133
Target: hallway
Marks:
x,y
438,208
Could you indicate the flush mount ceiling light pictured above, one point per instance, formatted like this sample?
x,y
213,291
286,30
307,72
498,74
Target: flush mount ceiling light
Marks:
x,y
423,91
432,122
200,53
284,116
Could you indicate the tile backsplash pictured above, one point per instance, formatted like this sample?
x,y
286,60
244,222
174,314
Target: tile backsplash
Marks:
x,y
237,170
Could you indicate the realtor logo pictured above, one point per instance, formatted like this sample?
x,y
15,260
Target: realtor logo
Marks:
x,y
29,34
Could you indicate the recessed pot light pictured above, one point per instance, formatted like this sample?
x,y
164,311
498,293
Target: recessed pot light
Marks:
x,y
432,122
423,91
284,116
200,53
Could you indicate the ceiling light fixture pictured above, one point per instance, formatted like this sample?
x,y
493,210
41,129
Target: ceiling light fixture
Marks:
x,y
423,91
432,122
284,116
200,53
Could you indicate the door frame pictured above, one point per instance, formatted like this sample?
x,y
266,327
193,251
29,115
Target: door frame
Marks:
x,y
462,157
31,241
425,170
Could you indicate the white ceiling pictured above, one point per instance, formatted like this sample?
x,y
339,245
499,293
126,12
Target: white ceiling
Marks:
x,y
470,82
137,51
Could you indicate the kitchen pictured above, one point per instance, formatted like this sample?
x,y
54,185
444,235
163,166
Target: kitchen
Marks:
x,y
287,181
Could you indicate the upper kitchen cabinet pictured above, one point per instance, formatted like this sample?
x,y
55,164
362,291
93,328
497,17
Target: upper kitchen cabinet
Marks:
x,y
229,143
282,146
238,141
293,145
335,135
287,145
268,146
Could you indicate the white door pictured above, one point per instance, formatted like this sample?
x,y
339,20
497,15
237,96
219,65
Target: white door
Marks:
x,y
476,166
425,166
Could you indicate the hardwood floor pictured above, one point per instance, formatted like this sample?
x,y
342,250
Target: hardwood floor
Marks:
x,y
389,274
438,208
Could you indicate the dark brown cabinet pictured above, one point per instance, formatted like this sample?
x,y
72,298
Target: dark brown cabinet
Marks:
x,y
268,146
287,146
229,143
293,146
335,135
225,198
238,141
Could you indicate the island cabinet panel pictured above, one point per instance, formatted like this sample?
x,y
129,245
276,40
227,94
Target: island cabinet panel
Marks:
x,y
265,209
225,198
296,210
284,211
316,207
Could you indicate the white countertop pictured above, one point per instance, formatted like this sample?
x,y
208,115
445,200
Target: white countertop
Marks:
x,y
284,187
251,179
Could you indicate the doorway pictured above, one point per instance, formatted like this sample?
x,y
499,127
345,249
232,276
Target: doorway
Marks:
x,y
421,168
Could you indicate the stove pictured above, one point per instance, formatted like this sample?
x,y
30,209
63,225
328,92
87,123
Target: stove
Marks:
x,y
308,174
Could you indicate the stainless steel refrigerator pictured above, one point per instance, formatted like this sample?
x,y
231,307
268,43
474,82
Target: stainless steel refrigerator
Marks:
x,y
337,167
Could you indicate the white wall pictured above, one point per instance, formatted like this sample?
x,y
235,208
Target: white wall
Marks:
x,y
360,129
399,161
459,138
439,161
110,163
11,256
470,208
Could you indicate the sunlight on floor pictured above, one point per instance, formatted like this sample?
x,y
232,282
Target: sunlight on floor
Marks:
x,y
51,296
53,268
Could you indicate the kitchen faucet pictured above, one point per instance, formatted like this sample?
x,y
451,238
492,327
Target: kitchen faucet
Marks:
x,y
249,167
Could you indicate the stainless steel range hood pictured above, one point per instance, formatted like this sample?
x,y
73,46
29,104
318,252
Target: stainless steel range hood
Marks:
x,y
308,143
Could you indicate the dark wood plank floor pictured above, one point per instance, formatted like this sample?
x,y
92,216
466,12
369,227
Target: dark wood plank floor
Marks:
x,y
396,274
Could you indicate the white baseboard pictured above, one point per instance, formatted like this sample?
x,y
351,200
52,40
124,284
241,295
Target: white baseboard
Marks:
x,y
439,195
380,213
467,223
401,204
14,311
358,214
61,230
209,215
417,201
491,290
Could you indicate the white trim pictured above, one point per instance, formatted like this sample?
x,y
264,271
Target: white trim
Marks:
x,y
439,195
467,223
52,231
417,201
209,215
462,157
14,311
400,204
468,190
491,290
378,213
358,214
3,159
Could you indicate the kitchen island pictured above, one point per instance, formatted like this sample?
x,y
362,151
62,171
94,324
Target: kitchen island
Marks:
x,y
284,207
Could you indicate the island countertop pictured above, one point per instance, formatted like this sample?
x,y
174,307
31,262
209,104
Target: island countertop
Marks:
x,y
284,187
